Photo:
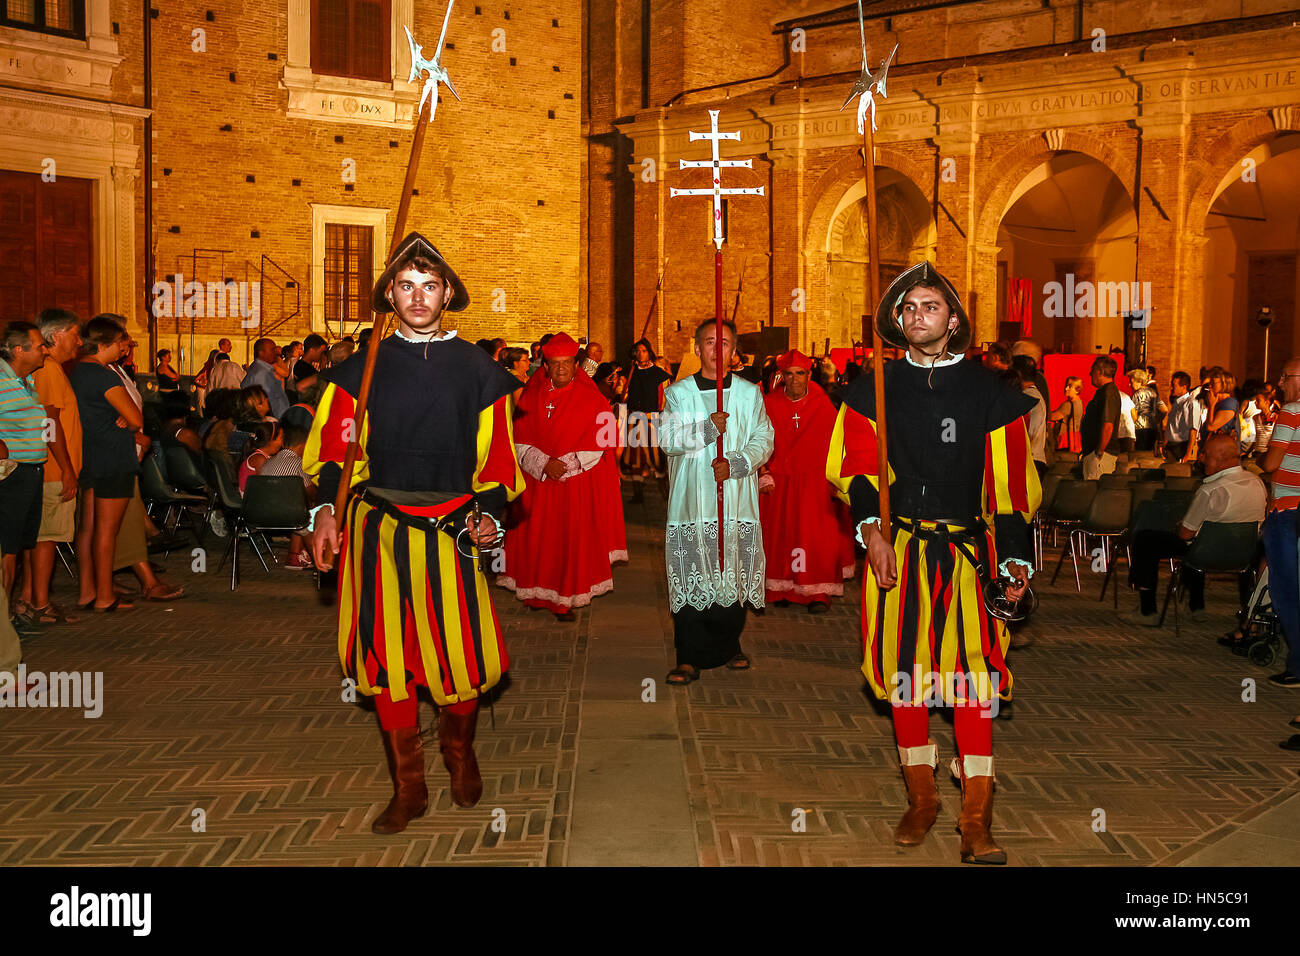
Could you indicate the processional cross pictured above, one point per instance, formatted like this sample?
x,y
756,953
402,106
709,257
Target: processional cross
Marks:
x,y
717,192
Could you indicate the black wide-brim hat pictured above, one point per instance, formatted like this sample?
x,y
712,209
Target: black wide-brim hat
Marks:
x,y
923,273
416,245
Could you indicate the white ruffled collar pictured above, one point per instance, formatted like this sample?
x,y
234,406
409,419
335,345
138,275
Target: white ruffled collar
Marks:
x,y
940,364
450,334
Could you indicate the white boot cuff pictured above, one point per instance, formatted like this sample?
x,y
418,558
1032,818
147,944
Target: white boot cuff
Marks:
x,y
916,756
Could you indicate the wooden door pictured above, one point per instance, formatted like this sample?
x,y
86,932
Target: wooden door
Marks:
x,y
46,245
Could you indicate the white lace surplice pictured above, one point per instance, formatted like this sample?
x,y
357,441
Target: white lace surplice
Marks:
x,y
688,438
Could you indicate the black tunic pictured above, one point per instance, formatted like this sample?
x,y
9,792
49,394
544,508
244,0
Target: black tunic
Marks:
x,y
423,415
937,421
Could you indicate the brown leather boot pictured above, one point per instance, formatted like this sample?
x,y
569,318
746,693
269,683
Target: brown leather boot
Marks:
x,y
922,798
456,732
977,844
410,792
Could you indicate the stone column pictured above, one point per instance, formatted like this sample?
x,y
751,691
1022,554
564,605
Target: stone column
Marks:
x,y
118,291
787,269
1175,330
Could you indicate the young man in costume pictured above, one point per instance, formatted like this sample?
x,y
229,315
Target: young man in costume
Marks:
x,y
806,531
708,601
963,489
414,609
567,528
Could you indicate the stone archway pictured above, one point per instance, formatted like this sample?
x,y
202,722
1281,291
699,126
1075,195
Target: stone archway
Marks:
x,y
907,235
1214,276
1004,178
1069,235
905,210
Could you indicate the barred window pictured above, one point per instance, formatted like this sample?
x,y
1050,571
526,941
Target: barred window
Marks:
x,y
62,17
349,276
350,38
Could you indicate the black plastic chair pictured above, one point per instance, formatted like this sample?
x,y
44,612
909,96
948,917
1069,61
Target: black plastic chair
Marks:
x,y
156,492
1117,479
1219,547
1147,514
1050,482
231,503
275,503
1182,483
1143,491
183,470
1069,507
1176,497
1107,518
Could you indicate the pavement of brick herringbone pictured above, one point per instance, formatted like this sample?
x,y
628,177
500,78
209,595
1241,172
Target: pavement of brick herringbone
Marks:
x,y
233,705
1120,747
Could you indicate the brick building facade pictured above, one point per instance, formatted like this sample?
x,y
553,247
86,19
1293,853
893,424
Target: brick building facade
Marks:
x,y
260,159
1020,140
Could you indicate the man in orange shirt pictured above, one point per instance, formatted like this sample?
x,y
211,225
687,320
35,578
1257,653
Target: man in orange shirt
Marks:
x,y
59,328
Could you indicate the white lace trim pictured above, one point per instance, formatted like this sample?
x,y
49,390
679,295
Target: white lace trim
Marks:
x,y
575,600
789,587
691,553
562,600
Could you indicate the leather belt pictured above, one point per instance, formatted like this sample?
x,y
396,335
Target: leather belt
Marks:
x,y
448,523
959,533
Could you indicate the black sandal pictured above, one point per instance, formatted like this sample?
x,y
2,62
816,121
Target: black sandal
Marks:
x,y
117,605
681,675
1231,640
740,662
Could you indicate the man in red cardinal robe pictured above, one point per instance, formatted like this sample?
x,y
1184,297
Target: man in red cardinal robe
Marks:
x,y
807,532
567,527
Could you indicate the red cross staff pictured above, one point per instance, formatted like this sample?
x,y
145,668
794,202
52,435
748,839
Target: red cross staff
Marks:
x,y
717,192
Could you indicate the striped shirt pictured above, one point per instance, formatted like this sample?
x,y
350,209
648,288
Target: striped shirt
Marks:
x,y
284,463
22,417
1286,480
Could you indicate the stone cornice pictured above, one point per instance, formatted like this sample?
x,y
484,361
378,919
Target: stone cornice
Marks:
x,y
30,97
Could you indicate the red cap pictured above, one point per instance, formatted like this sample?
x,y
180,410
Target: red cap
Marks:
x,y
794,359
560,346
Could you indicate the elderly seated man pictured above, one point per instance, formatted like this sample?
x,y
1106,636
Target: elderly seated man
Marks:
x,y
1229,494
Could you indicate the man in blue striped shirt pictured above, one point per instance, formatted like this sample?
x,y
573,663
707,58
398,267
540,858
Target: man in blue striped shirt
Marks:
x,y
22,433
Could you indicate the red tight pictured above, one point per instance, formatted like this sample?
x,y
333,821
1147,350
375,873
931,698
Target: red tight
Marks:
x,y
974,726
395,715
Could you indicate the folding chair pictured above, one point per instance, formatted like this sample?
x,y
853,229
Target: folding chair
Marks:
x,y
1069,507
1218,547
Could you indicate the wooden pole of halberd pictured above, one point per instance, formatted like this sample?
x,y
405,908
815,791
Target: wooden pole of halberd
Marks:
x,y
873,301
368,374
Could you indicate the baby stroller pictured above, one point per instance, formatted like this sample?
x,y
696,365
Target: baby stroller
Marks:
x,y
1261,638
